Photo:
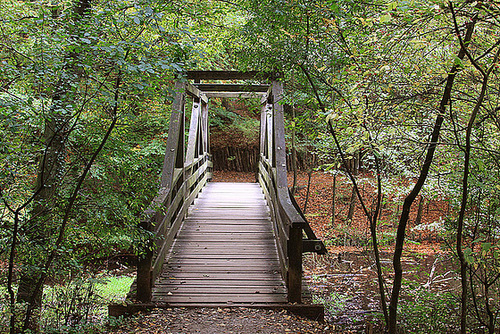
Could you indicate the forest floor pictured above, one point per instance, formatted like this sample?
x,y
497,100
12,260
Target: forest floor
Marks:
x,y
345,279
220,321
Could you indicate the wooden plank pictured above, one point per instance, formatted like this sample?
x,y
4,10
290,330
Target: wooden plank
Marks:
x,y
225,288
228,263
189,289
219,238
193,132
253,244
195,92
219,202
221,231
219,282
216,267
225,298
238,95
217,226
229,240
213,197
212,255
228,215
249,264
232,88
229,223
224,261
224,276
174,269
224,248
314,312
176,128
242,198
224,236
228,211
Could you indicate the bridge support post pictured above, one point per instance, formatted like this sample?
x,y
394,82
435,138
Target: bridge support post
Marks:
x,y
144,278
295,265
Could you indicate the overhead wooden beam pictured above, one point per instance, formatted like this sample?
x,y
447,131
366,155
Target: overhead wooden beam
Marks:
x,y
240,95
195,92
230,75
231,88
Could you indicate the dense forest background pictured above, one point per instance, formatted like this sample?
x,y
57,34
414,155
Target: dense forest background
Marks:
x,y
399,99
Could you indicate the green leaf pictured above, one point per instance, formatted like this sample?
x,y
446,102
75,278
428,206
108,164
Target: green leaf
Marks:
x,y
392,5
385,18
486,246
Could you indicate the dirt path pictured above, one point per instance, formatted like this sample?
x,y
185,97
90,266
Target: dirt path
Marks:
x,y
220,321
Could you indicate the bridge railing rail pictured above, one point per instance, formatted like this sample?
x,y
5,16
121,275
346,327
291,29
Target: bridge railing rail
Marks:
x,y
185,172
292,231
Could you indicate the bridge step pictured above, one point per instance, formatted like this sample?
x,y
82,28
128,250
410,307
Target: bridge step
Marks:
x,y
225,252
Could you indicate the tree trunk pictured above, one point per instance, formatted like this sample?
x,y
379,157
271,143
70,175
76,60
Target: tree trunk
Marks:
x,y
49,175
405,212
309,174
294,154
352,206
334,189
420,210
51,170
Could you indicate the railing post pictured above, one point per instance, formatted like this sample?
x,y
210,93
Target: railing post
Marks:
x,y
295,265
144,268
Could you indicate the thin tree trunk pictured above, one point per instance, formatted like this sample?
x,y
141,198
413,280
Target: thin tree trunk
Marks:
x,y
418,219
373,232
10,274
294,154
465,190
334,190
352,206
370,217
405,212
309,174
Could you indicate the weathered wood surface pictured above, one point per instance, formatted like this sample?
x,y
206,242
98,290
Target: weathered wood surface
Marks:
x,y
228,75
225,252
232,88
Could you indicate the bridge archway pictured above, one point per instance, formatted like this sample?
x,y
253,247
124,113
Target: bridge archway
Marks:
x,y
187,169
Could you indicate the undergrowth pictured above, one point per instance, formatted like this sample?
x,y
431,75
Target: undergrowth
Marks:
x,y
77,306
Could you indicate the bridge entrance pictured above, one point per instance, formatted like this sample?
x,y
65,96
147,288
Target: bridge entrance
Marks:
x,y
219,244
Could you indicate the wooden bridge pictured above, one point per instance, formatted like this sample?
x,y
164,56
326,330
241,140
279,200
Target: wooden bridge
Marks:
x,y
219,244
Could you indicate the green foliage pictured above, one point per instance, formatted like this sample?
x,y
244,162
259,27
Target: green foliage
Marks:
x,y
439,309
334,303
225,119
79,305
70,307
67,74
375,71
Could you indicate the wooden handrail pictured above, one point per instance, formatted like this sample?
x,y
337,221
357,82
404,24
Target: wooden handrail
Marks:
x,y
289,223
185,172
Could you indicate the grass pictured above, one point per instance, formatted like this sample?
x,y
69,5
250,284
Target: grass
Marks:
x,y
115,288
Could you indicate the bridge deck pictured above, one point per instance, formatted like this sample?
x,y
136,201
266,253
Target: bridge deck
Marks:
x,y
225,252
